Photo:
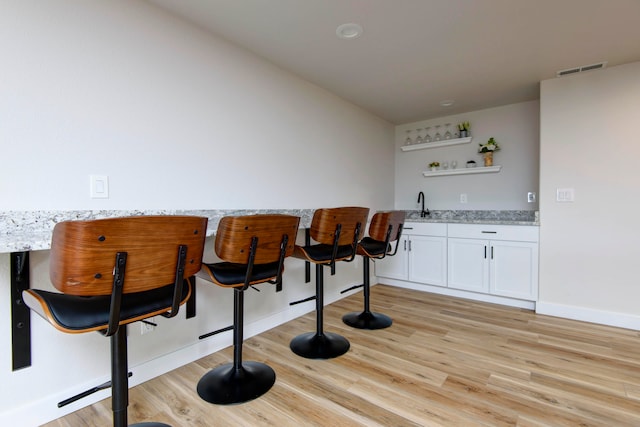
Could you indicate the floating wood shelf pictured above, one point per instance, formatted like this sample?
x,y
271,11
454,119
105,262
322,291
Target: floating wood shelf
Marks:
x,y
462,171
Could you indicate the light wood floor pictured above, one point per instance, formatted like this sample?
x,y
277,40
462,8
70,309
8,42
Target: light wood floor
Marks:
x,y
444,362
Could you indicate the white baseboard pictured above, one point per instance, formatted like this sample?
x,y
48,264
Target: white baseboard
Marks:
x,y
608,318
620,320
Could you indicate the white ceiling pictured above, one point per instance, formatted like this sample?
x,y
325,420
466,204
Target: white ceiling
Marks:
x,y
415,53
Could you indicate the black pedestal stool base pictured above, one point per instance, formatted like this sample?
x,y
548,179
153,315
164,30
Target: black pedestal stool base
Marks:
x,y
226,385
367,320
325,346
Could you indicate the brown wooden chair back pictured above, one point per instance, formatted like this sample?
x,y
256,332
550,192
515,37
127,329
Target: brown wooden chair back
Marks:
x,y
324,222
234,235
83,252
380,225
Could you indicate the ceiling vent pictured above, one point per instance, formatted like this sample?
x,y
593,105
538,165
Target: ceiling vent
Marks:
x,y
581,69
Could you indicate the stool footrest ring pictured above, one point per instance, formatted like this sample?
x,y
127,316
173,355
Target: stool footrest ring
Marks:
x,y
352,288
311,298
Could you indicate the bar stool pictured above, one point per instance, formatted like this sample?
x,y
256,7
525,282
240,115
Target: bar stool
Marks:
x,y
116,271
252,249
337,231
385,228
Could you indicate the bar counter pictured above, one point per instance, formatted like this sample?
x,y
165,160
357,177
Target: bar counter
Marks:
x,y
22,231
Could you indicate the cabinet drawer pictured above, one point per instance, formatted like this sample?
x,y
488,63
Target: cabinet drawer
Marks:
x,y
425,228
521,233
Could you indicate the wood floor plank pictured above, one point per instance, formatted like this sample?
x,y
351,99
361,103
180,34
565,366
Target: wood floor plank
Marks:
x,y
560,401
445,361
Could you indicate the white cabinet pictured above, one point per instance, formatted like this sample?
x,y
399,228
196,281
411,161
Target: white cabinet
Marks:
x,y
397,266
468,267
421,257
513,269
428,259
496,259
494,263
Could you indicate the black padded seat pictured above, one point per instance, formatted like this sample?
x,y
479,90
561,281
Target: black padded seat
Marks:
x,y
252,249
81,313
373,248
231,273
336,232
115,271
323,253
386,228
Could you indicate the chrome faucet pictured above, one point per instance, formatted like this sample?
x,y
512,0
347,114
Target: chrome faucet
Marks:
x,y
423,213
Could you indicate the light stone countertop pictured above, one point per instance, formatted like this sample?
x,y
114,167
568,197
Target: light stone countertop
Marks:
x,y
477,217
31,230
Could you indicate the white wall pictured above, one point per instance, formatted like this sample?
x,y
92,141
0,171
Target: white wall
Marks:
x,y
589,248
177,119
515,127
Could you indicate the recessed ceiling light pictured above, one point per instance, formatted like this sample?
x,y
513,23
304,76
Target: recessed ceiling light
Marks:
x,y
447,103
349,31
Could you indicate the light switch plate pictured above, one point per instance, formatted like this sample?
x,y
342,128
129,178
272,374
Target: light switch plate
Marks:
x,y
564,195
99,186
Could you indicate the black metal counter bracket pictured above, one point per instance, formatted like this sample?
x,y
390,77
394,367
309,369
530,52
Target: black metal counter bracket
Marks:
x,y
307,264
20,314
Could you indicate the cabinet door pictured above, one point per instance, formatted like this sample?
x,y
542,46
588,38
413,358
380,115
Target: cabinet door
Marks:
x,y
394,267
428,260
514,269
468,264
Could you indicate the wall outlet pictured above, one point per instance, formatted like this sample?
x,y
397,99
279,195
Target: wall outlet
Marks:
x,y
463,198
531,197
147,325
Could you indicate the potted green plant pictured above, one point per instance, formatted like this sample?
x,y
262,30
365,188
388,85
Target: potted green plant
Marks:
x,y
488,149
465,129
